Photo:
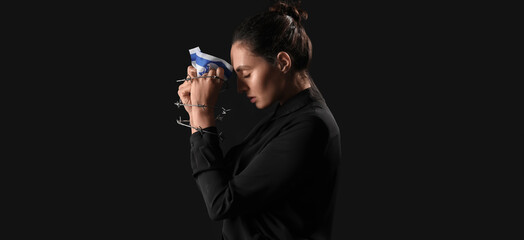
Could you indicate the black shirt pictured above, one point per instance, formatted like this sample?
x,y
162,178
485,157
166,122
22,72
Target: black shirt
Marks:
x,y
279,183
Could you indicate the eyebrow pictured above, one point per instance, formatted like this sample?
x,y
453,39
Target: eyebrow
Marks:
x,y
242,67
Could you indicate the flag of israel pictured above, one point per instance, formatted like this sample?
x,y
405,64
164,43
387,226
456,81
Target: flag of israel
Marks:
x,y
203,62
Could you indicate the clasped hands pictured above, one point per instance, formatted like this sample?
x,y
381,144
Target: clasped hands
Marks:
x,y
201,91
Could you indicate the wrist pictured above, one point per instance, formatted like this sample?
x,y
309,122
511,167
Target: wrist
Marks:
x,y
202,118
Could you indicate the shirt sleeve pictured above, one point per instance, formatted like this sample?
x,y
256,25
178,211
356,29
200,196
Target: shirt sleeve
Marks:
x,y
282,164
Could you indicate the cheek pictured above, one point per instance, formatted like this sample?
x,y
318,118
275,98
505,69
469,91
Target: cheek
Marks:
x,y
258,83
263,85
271,84
268,79
267,91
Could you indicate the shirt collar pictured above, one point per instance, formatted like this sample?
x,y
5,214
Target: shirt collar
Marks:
x,y
293,104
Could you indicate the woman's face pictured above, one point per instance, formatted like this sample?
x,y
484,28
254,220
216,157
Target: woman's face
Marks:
x,y
261,81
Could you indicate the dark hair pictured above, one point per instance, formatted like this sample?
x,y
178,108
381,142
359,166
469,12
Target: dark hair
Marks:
x,y
279,30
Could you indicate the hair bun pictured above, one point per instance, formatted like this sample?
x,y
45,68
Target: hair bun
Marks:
x,y
291,8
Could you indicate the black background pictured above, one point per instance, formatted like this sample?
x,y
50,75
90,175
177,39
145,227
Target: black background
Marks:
x,y
119,164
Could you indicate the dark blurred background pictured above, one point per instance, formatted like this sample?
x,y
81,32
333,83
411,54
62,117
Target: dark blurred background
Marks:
x,y
121,167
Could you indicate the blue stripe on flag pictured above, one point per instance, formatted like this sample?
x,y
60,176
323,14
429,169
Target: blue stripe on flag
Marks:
x,y
200,61
203,63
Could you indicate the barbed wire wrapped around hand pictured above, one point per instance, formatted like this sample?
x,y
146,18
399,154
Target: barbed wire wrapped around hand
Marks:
x,y
181,122
224,86
203,63
219,117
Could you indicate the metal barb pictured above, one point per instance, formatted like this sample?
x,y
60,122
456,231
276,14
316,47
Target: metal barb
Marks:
x,y
179,103
224,111
199,129
188,78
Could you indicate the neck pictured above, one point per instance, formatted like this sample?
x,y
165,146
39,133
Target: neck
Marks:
x,y
298,83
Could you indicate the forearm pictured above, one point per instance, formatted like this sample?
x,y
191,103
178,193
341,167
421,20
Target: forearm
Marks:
x,y
209,171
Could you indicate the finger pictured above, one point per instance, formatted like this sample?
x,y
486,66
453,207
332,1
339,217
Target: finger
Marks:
x,y
186,84
184,89
183,93
191,71
211,72
220,73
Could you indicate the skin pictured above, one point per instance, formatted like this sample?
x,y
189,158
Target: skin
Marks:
x,y
263,83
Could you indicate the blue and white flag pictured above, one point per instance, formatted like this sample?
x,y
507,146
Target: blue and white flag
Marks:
x,y
203,62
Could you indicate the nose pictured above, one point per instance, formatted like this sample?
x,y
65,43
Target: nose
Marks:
x,y
241,86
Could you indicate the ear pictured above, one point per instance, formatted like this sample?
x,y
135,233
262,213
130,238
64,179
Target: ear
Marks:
x,y
283,61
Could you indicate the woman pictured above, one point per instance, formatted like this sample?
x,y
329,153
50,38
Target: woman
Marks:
x,y
279,183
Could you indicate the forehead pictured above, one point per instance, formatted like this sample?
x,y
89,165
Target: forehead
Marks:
x,y
242,55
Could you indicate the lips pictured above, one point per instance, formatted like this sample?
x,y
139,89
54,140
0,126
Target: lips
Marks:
x,y
252,99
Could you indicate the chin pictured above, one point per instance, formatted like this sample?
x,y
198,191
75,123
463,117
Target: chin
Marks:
x,y
260,105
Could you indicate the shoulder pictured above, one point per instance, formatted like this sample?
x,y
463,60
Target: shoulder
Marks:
x,y
315,117
319,111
